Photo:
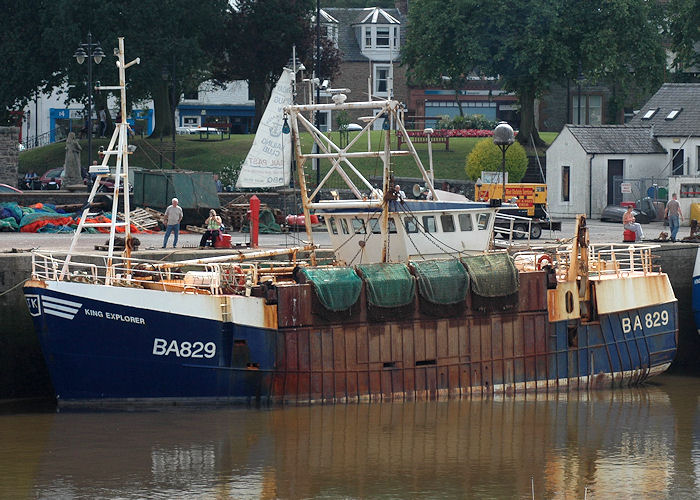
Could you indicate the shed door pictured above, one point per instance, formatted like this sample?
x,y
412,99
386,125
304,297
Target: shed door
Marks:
x,y
614,174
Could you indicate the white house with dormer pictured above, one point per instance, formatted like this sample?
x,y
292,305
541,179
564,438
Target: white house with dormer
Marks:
x,y
370,42
656,154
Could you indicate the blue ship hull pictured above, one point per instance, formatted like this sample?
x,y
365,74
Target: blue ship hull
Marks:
x,y
696,291
138,353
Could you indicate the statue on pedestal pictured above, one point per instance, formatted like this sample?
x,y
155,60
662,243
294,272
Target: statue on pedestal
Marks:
x,y
71,166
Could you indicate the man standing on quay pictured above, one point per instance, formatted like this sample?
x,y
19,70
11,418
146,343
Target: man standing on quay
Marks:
x,y
673,213
173,216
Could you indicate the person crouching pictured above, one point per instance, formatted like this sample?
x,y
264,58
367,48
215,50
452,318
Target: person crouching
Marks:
x,y
213,225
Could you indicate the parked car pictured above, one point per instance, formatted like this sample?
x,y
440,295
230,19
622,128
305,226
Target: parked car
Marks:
x,y
52,178
643,213
4,188
613,213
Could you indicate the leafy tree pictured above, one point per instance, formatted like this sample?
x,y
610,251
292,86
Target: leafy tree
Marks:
x,y
442,45
684,32
31,50
489,157
385,4
257,43
532,43
164,34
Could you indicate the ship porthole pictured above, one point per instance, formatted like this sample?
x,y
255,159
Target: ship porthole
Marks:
x,y
569,301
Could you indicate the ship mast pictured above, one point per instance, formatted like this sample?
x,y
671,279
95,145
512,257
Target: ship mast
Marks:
x,y
121,175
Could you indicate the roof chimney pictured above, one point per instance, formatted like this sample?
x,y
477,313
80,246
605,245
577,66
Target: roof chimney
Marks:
x,y
401,6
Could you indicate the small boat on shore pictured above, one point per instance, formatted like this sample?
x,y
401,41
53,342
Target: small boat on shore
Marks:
x,y
415,301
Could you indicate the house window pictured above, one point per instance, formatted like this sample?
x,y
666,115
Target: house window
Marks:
x,y
673,114
591,112
649,114
690,190
396,38
382,37
381,80
595,110
324,120
565,183
368,37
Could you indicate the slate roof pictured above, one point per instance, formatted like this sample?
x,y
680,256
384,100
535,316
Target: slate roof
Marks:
x,y
616,139
673,96
347,18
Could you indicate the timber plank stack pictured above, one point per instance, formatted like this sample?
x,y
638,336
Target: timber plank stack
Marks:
x,y
234,214
142,219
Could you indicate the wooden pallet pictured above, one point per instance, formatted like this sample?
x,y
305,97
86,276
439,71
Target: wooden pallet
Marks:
x,y
195,229
142,219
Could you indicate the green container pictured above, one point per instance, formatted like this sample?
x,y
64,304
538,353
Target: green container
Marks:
x,y
157,188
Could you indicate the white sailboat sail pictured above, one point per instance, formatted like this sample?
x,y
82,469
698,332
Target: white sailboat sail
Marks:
x,y
269,160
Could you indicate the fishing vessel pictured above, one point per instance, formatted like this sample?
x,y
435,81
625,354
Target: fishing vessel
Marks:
x,y
415,301
696,291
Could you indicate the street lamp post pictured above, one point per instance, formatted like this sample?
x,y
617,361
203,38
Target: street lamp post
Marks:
x,y
166,75
91,52
503,137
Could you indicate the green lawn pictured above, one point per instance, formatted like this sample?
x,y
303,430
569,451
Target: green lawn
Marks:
x,y
215,154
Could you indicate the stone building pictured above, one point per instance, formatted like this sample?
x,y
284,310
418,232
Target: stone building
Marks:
x,y
9,155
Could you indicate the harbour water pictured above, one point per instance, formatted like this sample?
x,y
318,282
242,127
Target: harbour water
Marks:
x,y
626,443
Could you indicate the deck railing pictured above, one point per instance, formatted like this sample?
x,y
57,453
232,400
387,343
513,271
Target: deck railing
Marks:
x,y
213,278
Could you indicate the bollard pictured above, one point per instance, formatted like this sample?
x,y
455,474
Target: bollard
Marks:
x,y
254,220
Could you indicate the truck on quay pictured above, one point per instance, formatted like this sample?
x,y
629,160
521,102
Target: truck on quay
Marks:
x,y
531,199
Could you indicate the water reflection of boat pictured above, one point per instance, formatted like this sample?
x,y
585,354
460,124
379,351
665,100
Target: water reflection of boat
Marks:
x,y
620,444
417,304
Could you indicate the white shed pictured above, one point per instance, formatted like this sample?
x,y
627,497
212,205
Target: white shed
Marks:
x,y
587,165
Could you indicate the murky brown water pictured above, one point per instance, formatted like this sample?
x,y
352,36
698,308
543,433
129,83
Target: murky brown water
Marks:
x,y
632,443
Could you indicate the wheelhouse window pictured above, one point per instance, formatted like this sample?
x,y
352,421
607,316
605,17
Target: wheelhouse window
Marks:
x,y
344,226
392,225
334,227
429,224
465,222
565,182
376,226
448,223
483,221
358,226
411,225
